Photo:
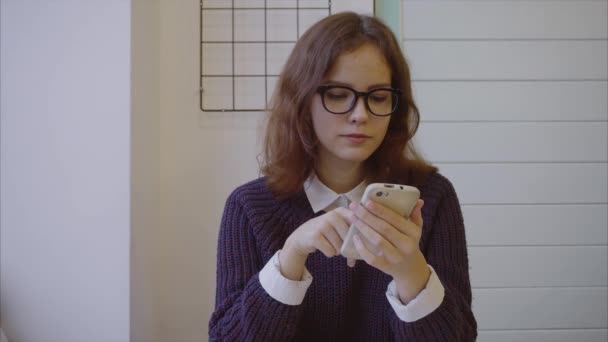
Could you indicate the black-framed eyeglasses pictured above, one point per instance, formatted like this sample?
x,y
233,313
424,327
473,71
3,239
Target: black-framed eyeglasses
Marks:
x,y
341,99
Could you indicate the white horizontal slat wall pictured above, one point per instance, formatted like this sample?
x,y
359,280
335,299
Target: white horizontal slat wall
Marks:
x,y
514,110
521,101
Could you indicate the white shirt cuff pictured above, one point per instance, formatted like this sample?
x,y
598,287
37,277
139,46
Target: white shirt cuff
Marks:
x,y
426,302
284,290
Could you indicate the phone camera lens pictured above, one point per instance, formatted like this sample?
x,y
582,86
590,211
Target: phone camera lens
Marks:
x,y
379,193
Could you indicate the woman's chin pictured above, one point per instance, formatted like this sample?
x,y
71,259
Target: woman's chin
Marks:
x,y
355,156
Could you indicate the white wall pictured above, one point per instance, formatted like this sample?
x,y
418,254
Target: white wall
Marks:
x,y
203,157
147,249
65,157
513,96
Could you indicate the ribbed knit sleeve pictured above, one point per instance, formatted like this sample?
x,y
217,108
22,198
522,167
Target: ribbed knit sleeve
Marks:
x,y
445,250
243,309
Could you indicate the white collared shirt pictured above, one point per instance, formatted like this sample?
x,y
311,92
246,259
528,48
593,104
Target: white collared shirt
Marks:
x,y
292,292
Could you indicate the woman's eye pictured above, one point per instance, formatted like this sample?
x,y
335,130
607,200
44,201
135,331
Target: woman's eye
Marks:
x,y
377,98
336,96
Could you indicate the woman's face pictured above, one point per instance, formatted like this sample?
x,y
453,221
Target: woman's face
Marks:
x,y
352,137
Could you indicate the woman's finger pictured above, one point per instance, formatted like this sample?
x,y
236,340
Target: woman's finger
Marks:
x,y
409,227
382,227
333,237
326,247
369,257
340,220
416,215
377,243
384,213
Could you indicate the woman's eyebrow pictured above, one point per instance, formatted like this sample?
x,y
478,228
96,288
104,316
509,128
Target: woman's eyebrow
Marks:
x,y
378,85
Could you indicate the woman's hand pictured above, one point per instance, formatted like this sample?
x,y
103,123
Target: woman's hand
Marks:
x,y
324,233
397,241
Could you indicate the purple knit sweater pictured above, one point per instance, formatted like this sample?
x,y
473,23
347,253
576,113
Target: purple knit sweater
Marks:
x,y
342,304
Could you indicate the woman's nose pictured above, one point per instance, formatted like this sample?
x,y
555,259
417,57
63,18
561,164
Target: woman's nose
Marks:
x,y
359,112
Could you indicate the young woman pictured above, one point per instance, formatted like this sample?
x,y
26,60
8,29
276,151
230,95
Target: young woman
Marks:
x,y
342,117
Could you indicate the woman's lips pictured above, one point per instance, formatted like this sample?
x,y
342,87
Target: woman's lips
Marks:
x,y
356,138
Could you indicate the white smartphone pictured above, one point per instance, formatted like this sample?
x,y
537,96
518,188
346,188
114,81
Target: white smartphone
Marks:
x,y
399,198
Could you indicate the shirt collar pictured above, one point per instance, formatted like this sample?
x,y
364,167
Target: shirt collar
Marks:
x,y
321,197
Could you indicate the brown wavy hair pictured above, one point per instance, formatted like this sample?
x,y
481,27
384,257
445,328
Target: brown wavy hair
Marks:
x,y
291,145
